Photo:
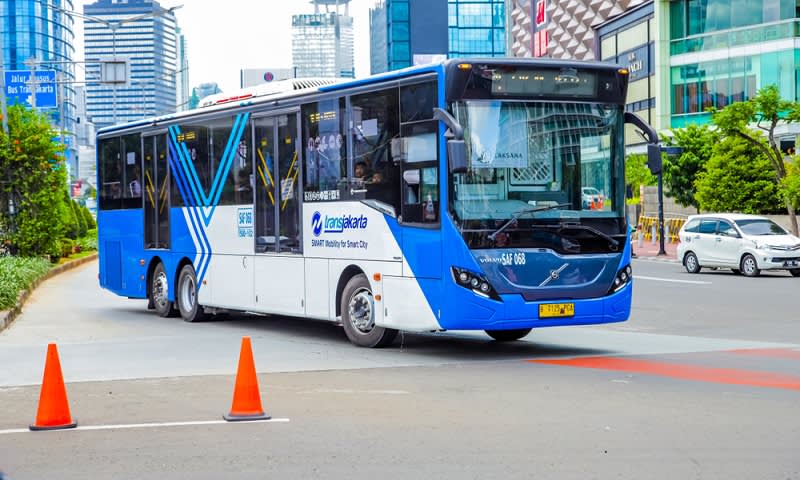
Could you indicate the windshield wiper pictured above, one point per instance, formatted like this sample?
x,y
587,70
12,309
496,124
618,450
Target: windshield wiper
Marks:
x,y
577,226
522,212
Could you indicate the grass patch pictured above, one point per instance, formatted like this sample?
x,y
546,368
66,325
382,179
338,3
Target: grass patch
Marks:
x,y
75,256
17,274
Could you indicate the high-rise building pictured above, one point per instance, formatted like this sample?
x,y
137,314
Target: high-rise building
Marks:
x,y
378,39
322,42
477,28
414,32
201,91
144,33
36,34
182,76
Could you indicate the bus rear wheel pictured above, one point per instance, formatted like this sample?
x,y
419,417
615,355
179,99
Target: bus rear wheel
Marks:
x,y
186,296
508,335
159,292
358,315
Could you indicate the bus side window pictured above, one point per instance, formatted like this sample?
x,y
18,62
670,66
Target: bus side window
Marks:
x,y
376,129
420,172
325,149
110,174
131,171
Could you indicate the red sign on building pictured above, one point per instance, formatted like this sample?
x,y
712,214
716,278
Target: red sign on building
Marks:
x,y
540,37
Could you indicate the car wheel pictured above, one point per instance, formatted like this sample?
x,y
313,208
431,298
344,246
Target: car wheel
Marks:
x,y
186,296
508,335
749,266
358,315
795,272
691,263
159,293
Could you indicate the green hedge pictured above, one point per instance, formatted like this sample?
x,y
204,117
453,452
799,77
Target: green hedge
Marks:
x,y
17,274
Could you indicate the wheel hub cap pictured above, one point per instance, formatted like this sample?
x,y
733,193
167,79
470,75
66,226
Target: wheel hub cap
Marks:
x,y
360,310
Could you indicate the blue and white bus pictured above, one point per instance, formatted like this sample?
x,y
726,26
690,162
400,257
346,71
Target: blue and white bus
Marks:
x,y
441,197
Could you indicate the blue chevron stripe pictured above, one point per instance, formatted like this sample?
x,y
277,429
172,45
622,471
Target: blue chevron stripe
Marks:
x,y
194,195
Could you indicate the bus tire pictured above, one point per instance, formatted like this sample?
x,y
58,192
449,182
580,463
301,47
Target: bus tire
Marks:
x,y
358,315
186,296
159,292
508,335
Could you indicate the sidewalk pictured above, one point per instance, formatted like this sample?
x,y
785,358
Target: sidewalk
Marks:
x,y
649,251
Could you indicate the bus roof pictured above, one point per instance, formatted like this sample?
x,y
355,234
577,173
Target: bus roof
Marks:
x,y
299,87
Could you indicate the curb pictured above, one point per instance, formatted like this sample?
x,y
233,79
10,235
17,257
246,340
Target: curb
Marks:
x,y
8,316
660,259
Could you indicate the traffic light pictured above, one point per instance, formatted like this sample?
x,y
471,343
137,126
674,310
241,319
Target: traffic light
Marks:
x,y
654,158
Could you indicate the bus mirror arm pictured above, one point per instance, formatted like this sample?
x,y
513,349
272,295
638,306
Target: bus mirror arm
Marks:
x,y
648,132
456,148
455,128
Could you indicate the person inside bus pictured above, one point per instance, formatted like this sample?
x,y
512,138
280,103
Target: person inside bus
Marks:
x,y
361,172
135,186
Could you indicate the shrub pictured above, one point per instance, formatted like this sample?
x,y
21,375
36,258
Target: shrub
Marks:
x,y
67,247
17,274
88,218
87,243
76,209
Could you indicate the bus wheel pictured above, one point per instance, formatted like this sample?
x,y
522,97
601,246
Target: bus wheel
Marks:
x,y
358,315
508,335
159,292
186,296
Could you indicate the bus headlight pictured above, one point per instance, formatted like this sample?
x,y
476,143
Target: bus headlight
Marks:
x,y
623,278
475,282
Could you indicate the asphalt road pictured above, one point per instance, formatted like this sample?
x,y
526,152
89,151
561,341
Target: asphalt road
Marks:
x,y
702,382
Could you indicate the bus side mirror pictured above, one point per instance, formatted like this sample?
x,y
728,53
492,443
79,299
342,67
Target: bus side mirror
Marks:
x,y
457,156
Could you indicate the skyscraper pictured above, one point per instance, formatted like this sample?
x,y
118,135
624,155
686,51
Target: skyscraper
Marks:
x,y
150,44
182,76
322,42
477,28
413,32
38,34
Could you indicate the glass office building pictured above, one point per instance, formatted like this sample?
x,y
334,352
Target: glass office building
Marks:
x,y
39,32
150,43
723,51
322,42
407,32
477,28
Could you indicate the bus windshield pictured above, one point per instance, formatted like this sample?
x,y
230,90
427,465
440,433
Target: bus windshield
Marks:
x,y
541,165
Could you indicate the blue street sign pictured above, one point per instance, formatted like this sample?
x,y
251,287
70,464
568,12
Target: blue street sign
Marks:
x,y
18,88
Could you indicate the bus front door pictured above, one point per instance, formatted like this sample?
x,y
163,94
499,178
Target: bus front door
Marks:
x,y
155,186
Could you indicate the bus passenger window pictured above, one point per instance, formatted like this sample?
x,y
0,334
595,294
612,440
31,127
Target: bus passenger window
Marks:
x,y
376,129
110,191
325,149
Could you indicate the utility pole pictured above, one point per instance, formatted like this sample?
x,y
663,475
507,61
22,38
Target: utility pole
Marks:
x,y
3,87
31,62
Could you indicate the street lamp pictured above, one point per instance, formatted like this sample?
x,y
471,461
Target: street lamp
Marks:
x,y
115,25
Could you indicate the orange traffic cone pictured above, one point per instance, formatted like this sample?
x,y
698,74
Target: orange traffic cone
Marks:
x,y
53,411
246,398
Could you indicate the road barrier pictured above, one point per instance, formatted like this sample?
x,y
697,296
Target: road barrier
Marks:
x,y
672,226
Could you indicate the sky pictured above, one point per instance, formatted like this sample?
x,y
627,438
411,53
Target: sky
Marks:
x,y
226,36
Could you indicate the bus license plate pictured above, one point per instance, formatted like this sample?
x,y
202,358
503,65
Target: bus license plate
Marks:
x,y
557,310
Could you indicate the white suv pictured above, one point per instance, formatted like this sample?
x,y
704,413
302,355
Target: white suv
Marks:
x,y
746,244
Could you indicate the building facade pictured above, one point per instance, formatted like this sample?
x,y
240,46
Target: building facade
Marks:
x,y
415,32
322,42
39,34
476,28
150,45
629,40
722,52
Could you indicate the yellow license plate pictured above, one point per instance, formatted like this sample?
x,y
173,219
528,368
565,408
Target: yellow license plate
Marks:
x,y
557,310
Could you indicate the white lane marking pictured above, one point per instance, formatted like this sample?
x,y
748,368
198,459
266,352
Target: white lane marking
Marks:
x,y
148,425
659,279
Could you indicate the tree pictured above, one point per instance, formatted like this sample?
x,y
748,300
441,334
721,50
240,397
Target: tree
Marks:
x,y
738,178
766,110
637,173
680,172
33,176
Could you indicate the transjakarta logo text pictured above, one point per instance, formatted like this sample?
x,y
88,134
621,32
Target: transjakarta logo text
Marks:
x,y
337,224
